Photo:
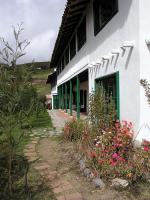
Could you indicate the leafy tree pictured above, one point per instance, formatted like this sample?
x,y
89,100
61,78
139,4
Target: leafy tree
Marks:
x,y
18,100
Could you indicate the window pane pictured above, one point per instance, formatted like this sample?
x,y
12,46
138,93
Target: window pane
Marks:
x,y
73,47
103,12
109,85
67,56
62,63
81,34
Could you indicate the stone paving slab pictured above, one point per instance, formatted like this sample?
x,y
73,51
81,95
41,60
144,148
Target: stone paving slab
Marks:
x,y
74,196
32,159
61,186
43,166
53,178
30,154
30,146
34,142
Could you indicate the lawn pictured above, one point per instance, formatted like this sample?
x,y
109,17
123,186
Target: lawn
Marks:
x,y
41,74
42,89
39,80
43,120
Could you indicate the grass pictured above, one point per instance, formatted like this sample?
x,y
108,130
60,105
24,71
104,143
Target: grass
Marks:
x,y
41,74
42,89
37,188
24,140
138,191
43,120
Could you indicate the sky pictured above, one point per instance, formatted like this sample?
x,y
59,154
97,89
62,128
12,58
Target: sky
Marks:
x,y
41,21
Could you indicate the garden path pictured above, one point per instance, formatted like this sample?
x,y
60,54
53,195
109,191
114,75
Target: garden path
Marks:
x,y
57,162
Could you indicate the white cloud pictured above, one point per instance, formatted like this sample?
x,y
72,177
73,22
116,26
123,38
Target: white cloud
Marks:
x,y
41,22
40,46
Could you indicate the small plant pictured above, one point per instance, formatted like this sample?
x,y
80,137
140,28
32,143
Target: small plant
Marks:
x,y
102,111
73,130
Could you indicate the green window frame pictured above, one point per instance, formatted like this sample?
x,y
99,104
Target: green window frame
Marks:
x,y
111,86
56,102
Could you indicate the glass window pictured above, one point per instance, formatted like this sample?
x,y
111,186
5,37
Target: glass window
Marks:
x,y
111,87
103,10
81,34
73,47
62,63
67,56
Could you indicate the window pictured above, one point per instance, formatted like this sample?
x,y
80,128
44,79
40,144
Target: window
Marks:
x,y
81,34
67,56
111,86
59,68
62,63
103,10
73,47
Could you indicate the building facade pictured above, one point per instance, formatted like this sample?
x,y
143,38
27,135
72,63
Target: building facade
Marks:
x,y
104,42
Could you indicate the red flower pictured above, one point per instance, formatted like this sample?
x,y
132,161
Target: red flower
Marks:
x,y
100,162
146,148
92,154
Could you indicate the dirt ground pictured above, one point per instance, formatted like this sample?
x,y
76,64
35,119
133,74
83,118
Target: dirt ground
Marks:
x,y
61,158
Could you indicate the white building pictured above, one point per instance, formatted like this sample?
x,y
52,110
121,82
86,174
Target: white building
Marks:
x,y
104,41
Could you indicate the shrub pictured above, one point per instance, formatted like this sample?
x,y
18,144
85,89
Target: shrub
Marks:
x,y
73,130
113,154
102,111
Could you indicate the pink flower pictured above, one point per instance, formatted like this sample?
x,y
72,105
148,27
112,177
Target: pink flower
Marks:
x,y
121,159
115,156
146,148
113,163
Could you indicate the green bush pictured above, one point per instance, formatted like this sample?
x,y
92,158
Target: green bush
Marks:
x,y
102,111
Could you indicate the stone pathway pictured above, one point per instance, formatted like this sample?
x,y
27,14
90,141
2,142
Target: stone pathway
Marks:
x,y
56,162
59,117
62,189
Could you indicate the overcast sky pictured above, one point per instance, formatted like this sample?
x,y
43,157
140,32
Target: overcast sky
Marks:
x,y
41,19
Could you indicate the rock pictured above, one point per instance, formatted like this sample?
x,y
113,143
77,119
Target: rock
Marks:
x,y
91,176
43,136
137,144
118,182
32,135
98,183
82,165
87,172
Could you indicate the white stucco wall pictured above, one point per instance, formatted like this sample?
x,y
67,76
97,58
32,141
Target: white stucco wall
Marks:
x,y
131,23
78,64
123,27
144,130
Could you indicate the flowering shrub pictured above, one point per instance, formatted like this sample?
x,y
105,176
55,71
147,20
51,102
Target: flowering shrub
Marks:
x,y
112,154
73,130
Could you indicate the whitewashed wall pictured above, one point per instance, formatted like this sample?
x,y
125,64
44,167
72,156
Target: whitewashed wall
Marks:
x,y
144,49
123,27
131,23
